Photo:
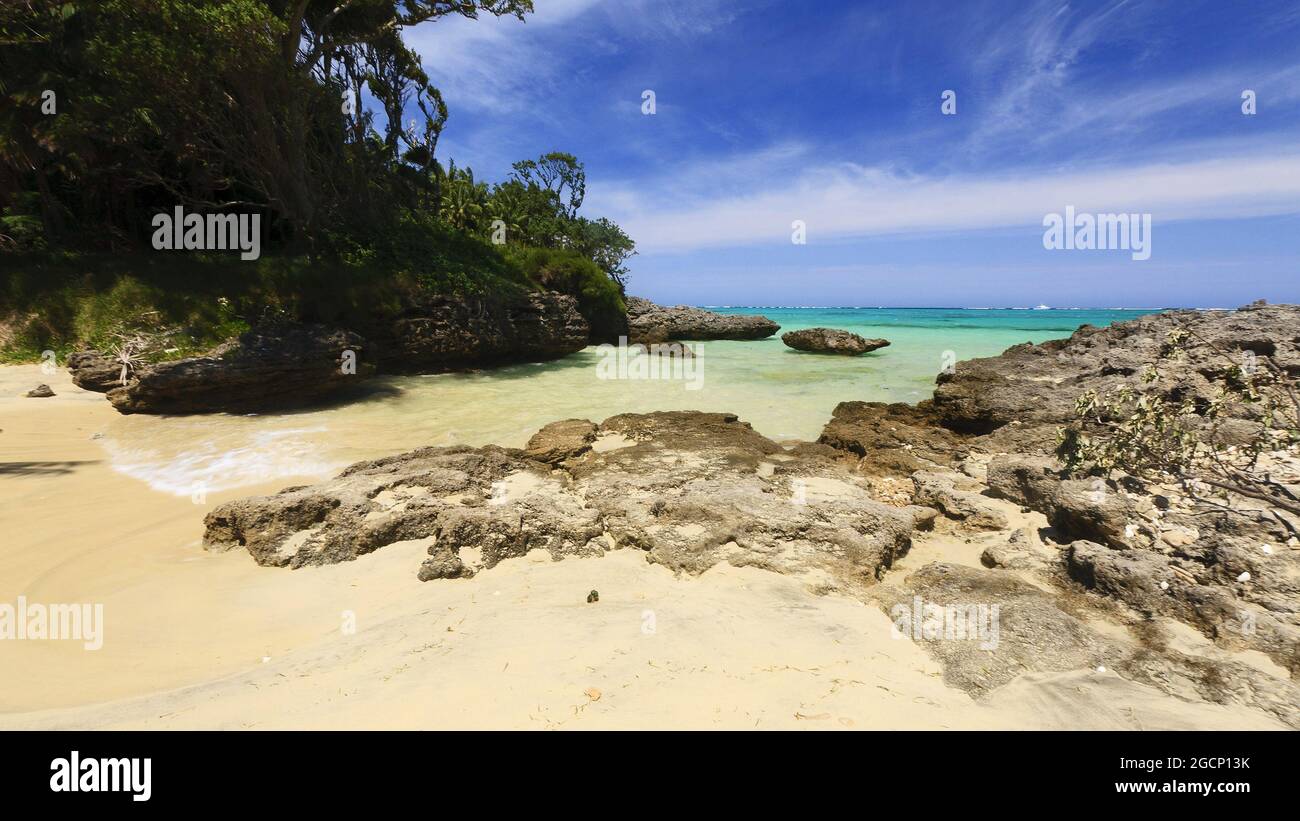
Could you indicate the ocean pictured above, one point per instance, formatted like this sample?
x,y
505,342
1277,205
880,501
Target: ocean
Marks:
x,y
785,394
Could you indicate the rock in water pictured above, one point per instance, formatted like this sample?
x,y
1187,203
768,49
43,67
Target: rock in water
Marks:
x,y
40,392
648,322
593,597
831,340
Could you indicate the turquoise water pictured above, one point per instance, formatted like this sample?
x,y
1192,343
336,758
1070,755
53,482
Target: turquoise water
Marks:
x,y
785,394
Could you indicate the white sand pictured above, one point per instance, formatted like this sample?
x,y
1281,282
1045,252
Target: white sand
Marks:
x,y
194,639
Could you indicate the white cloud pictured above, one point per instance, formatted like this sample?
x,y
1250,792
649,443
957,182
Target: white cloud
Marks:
x,y
841,202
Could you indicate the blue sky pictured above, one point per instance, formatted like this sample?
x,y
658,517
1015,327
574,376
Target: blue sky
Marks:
x,y
829,113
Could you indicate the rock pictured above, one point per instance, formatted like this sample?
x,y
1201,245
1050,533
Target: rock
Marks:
x,y
561,440
593,597
987,627
892,440
93,371
271,367
443,563
1038,384
1094,509
671,348
283,364
831,340
40,392
648,322
1000,626
938,491
690,490
1023,551
693,491
1154,583
438,333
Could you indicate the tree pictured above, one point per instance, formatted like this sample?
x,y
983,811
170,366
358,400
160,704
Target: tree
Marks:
x,y
557,172
603,242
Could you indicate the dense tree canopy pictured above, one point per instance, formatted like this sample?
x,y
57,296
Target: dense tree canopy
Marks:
x,y
114,110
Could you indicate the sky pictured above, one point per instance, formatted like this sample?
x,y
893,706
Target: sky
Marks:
x,y
832,114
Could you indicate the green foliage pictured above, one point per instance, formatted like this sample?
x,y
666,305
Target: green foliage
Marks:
x,y
1167,435
559,173
256,106
599,299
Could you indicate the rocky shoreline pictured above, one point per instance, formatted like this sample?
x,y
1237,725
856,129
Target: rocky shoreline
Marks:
x,y
281,365
694,489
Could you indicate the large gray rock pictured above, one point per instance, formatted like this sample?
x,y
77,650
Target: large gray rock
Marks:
x,y
93,371
940,492
561,440
1094,508
986,627
891,439
831,340
691,489
444,333
1038,384
275,366
284,365
649,322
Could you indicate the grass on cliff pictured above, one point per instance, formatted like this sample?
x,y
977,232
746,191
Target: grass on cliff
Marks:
x,y
65,302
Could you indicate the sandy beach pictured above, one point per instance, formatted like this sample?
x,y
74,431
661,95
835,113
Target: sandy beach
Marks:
x,y
194,639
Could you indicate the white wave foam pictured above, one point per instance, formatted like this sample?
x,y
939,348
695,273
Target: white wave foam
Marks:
x,y
231,462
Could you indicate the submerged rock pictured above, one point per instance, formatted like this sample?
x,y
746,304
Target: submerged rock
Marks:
x,y
831,340
648,322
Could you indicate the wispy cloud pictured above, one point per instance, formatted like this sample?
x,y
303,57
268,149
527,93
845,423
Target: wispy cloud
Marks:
x,y
841,202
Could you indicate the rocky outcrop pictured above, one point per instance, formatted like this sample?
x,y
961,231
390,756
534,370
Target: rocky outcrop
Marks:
x,y
987,627
276,366
282,365
891,439
1037,385
1230,574
965,504
442,333
831,340
690,489
648,322
93,371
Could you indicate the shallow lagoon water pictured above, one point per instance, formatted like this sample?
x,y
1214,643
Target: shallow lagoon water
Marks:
x,y
784,394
